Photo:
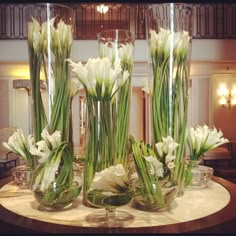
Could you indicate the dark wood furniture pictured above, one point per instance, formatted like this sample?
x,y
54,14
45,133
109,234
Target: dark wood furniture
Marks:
x,y
10,161
223,221
218,154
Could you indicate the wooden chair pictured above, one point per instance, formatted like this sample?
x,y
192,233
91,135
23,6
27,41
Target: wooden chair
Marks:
x,y
217,155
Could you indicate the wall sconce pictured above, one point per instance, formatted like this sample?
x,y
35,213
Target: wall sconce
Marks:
x,y
227,97
103,9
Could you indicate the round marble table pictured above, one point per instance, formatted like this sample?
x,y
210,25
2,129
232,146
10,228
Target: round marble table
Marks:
x,y
199,210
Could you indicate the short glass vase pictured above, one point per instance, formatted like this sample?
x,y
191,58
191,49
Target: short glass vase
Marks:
x,y
56,195
22,175
197,176
160,198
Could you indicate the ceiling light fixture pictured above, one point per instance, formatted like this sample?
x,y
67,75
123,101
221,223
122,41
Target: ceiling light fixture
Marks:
x,y
102,9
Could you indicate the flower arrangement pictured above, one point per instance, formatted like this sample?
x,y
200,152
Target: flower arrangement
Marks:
x,y
101,81
18,144
49,45
168,90
200,140
60,41
155,188
37,43
122,51
50,151
110,187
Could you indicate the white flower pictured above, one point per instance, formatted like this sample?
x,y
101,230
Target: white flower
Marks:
x,y
49,174
99,78
74,87
107,51
44,147
53,140
166,149
17,144
202,139
153,42
125,52
113,179
157,165
111,50
160,44
148,87
36,35
182,44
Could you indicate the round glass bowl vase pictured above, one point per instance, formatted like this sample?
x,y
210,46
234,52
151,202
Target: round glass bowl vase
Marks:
x,y
22,175
198,176
56,195
159,197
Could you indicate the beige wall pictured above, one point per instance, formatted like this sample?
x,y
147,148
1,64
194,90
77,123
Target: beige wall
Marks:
x,y
223,117
4,103
209,57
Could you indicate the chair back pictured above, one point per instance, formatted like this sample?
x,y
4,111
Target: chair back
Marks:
x,y
5,133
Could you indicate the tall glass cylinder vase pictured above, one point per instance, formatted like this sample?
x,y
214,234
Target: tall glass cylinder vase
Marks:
x,y
118,45
169,35
106,179
50,37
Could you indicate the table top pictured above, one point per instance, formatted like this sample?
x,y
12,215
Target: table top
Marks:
x,y
198,209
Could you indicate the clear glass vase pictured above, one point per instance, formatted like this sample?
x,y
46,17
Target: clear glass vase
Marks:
x,y
143,201
117,45
153,185
50,36
197,176
22,175
55,194
106,182
169,35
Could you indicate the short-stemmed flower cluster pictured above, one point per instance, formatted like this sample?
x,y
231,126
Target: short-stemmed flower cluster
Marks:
x,y
50,151
200,140
18,144
155,188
